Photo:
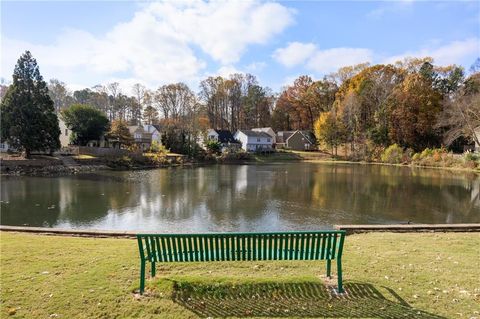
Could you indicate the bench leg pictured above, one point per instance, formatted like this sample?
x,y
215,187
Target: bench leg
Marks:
x,y
339,275
329,268
153,269
142,276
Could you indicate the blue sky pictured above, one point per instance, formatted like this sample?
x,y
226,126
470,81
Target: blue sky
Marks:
x,y
89,43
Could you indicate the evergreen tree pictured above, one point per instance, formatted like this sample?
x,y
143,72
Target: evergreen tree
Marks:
x,y
29,122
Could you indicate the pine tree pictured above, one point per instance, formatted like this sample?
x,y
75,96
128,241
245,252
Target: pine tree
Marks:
x,y
28,121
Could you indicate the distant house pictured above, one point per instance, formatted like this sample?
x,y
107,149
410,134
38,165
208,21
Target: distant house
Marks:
x,y
141,138
64,137
155,130
4,147
225,137
65,133
296,140
253,141
267,130
282,137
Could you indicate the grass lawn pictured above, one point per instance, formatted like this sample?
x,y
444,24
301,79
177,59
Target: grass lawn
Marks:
x,y
387,275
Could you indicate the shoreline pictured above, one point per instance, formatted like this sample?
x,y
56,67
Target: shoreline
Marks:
x,y
459,169
60,169
350,229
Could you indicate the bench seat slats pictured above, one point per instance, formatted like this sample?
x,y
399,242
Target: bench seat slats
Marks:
x,y
315,245
241,247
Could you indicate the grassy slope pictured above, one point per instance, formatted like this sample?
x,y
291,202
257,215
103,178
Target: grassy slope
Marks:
x,y
46,276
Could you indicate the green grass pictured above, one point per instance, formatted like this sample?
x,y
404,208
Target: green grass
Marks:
x,y
387,275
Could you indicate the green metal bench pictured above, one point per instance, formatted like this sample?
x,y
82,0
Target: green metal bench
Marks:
x,y
308,245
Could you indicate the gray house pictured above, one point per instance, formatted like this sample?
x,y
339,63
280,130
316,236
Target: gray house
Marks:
x,y
296,140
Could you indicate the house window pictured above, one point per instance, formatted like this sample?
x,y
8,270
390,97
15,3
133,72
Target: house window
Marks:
x,y
258,140
268,140
66,132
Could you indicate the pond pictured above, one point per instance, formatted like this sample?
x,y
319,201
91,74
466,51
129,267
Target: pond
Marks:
x,y
269,197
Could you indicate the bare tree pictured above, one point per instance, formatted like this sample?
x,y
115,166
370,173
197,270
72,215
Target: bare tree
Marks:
x,y
138,91
59,94
461,116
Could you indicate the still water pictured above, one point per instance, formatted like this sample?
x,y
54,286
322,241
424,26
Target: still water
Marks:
x,y
290,196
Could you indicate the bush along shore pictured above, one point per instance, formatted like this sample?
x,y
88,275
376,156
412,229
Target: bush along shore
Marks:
x,y
68,165
431,157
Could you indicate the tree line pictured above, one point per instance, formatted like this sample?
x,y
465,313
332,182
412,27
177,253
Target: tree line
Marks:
x,y
413,103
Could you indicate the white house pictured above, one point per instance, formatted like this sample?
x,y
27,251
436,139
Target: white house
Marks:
x,y
267,130
4,147
224,137
253,141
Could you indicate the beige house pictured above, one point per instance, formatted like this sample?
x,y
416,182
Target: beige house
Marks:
x,y
65,133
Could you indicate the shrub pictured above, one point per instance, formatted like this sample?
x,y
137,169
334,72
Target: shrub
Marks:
x,y
124,162
471,156
239,155
156,147
393,154
213,147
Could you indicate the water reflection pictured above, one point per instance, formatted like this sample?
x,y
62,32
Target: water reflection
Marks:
x,y
242,198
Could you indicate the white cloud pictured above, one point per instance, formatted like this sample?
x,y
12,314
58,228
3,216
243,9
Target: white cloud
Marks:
x,y
325,61
322,61
294,53
255,66
393,7
226,71
454,52
158,44
224,29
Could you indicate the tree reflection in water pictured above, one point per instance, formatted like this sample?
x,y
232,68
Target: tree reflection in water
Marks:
x,y
243,198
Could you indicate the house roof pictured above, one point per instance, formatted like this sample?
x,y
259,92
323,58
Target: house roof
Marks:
x,y
225,136
264,129
158,127
251,133
307,134
135,128
150,128
282,136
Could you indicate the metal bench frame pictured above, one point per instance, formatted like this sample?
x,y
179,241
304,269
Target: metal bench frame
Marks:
x,y
306,245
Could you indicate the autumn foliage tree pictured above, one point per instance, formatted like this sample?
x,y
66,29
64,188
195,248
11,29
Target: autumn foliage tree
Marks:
x,y
120,134
415,106
300,104
330,131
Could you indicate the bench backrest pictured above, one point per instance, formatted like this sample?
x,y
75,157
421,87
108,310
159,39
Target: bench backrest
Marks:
x,y
312,245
